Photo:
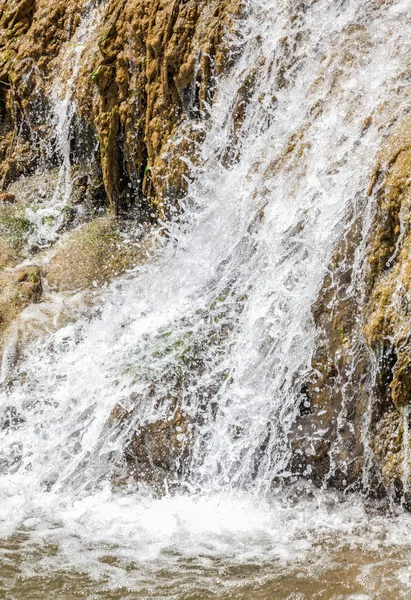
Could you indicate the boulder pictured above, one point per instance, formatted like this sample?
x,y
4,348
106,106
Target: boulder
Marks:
x,y
94,254
157,453
18,288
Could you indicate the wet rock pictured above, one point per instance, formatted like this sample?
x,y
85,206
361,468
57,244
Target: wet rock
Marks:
x,y
14,230
327,447
157,453
18,288
148,68
8,257
388,446
118,415
11,419
35,189
359,388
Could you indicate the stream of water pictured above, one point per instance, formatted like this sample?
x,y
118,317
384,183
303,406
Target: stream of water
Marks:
x,y
222,310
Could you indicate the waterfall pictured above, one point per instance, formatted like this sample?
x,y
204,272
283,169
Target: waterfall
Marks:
x,y
218,321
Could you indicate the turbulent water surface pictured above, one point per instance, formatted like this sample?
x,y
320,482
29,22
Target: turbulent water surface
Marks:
x,y
223,306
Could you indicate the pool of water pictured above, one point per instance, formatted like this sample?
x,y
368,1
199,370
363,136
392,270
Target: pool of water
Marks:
x,y
223,546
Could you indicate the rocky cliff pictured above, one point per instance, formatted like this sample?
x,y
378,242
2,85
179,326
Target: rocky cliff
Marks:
x,y
100,105
144,70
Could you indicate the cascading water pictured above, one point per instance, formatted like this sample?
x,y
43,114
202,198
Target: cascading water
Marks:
x,y
218,322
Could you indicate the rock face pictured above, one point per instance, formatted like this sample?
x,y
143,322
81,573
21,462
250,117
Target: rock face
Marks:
x,y
18,289
158,452
355,404
144,69
98,108
149,85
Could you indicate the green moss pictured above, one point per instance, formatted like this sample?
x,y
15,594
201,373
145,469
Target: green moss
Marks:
x,y
177,347
49,221
4,58
93,254
96,74
14,226
187,347
222,296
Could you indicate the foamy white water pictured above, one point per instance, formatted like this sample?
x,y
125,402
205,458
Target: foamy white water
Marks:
x,y
223,313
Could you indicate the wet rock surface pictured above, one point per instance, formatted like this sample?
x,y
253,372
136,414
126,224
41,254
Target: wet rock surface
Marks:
x,y
158,453
135,79
18,289
96,253
355,402
97,105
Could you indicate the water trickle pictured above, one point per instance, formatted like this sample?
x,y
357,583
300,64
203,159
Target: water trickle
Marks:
x,y
46,213
219,324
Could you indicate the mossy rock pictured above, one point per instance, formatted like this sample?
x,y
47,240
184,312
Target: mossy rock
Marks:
x,y
8,255
93,255
18,289
14,226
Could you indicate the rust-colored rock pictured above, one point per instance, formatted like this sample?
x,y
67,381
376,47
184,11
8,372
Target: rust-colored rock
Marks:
x,y
141,74
5,197
147,69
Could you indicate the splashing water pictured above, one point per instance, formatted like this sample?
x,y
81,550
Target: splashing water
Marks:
x,y
223,314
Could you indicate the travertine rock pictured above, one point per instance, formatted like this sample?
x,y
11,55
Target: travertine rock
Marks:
x,y
94,254
148,68
139,73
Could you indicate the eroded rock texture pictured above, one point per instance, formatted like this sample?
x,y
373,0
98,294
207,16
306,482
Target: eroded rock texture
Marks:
x,y
101,105
142,69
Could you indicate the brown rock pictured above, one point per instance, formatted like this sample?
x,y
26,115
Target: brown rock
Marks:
x,y
158,452
146,70
18,289
94,254
361,370
5,197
